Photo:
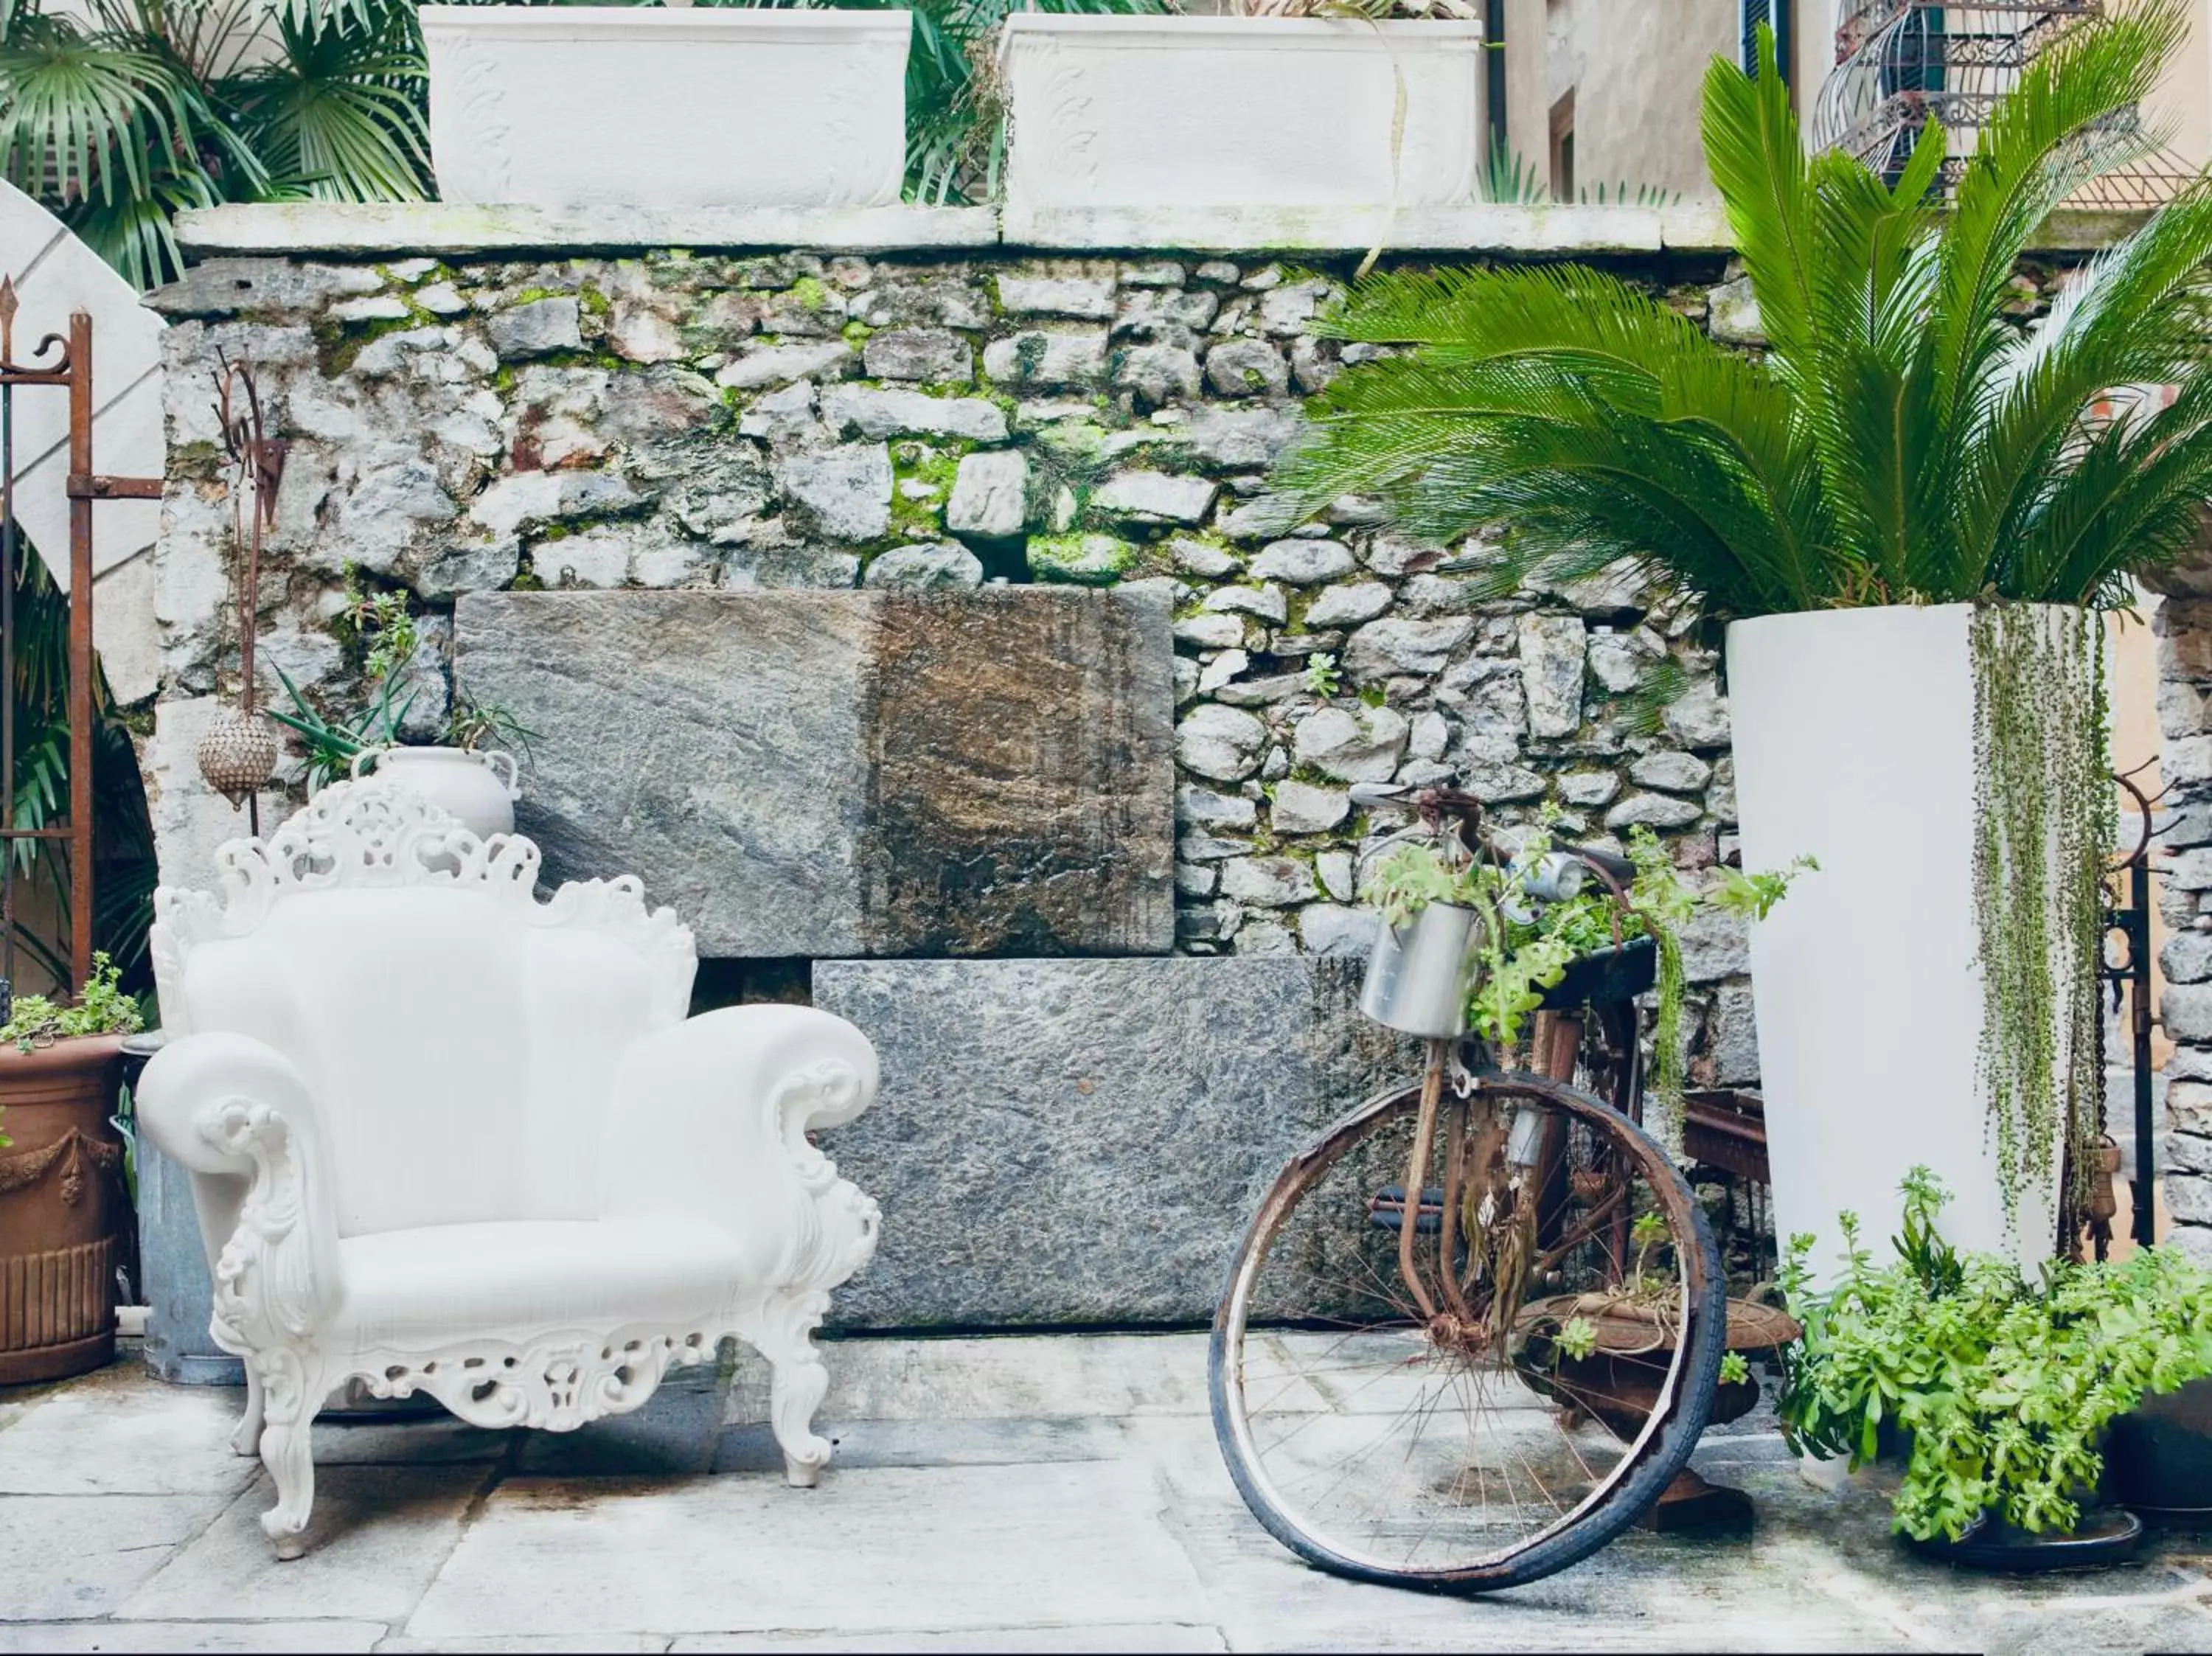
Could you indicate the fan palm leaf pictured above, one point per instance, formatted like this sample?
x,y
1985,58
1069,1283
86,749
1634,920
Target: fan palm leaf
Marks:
x,y
1903,439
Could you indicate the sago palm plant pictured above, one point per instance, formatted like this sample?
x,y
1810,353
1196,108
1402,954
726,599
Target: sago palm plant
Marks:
x,y
1903,440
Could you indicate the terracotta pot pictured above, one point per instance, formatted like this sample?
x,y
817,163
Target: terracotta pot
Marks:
x,y
1620,1381
64,1209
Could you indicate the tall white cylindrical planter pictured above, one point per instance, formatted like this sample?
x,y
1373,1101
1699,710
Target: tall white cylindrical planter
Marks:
x,y
1855,743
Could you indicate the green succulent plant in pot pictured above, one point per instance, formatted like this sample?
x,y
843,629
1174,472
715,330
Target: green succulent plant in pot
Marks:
x,y
1999,1387
1907,514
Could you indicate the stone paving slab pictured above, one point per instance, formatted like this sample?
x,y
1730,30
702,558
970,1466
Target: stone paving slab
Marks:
x,y
165,1636
173,1441
1110,1639
1066,1141
810,773
379,1536
866,1443
71,1555
994,1378
989,1494
746,1554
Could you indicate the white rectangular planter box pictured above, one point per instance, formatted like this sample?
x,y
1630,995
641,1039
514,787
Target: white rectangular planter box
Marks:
x,y
1854,739
564,107
1237,112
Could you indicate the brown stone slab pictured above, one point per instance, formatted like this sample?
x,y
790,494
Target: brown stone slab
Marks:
x,y
850,773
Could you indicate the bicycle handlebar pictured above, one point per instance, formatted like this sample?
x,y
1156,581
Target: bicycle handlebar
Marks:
x,y
1437,803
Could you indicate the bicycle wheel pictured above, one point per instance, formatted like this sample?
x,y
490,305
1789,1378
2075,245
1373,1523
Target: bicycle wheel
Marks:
x,y
1501,1394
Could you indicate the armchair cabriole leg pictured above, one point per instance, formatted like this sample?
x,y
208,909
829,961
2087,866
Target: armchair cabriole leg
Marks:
x,y
798,1379
247,1439
292,1389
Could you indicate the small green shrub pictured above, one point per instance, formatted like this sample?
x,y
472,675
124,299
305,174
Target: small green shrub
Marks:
x,y
2005,1386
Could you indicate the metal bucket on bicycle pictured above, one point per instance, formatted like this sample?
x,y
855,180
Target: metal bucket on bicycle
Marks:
x,y
1419,1371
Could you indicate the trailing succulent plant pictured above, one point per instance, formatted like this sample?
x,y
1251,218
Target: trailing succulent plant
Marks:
x,y
2044,820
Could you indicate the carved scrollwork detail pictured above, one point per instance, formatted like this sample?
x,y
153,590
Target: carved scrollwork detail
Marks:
x,y
836,1226
265,1289
478,103
380,835
554,1384
1071,135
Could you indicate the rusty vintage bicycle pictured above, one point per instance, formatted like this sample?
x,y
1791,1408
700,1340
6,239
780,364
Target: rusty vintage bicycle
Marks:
x,y
1475,1328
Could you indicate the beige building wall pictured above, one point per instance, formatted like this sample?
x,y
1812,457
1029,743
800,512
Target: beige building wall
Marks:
x,y
2183,104
1626,75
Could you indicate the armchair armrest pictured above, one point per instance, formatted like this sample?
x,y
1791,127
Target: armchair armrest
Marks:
x,y
237,1113
710,1120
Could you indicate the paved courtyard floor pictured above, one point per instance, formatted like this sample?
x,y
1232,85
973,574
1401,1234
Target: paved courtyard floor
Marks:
x,y
1030,1494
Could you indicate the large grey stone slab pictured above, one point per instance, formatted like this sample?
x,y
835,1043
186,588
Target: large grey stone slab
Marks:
x,y
1070,1141
850,774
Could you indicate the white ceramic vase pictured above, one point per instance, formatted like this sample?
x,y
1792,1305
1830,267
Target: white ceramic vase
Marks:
x,y
1121,111
477,789
1854,741
564,107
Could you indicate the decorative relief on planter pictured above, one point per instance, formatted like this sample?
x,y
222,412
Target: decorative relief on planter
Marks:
x,y
1238,112
836,774
1085,1141
613,106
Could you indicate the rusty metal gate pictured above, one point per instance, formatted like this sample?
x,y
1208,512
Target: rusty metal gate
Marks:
x,y
60,362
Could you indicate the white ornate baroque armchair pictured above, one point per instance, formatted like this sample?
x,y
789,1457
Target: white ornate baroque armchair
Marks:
x,y
449,1139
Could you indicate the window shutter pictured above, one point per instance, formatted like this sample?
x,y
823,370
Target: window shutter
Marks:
x,y
1775,14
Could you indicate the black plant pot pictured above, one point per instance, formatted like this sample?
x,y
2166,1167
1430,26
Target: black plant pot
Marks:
x,y
2160,1456
1609,974
2105,1536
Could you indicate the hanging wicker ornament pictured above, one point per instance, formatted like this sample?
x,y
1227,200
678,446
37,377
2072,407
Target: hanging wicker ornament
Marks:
x,y
239,755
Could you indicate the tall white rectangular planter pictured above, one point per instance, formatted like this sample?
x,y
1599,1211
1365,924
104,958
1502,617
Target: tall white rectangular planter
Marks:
x,y
1854,735
565,106
1118,111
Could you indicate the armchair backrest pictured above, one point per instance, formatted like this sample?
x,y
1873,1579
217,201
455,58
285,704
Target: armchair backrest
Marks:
x,y
459,1037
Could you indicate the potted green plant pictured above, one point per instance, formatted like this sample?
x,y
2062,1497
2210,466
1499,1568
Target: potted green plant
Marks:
x,y
2000,1386
1907,514
1528,944
64,1211
478,783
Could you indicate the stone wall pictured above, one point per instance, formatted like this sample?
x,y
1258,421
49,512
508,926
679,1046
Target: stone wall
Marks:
x,y
2184,623
924,423
625,493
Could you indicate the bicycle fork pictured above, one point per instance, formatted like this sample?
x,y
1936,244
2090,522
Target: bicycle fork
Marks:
x,y
1532,1153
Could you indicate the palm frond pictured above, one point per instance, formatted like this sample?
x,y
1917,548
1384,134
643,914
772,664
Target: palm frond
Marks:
x,y
1903,441
338,115
2069,120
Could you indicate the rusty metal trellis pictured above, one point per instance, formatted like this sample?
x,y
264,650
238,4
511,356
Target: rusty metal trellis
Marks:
x,y
71,369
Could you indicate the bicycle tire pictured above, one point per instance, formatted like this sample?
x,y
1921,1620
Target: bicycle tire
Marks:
x,y
1662,1452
